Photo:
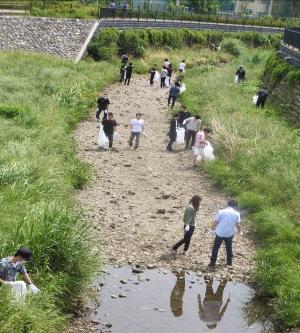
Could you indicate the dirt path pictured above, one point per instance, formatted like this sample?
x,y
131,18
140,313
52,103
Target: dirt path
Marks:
x,y
128,187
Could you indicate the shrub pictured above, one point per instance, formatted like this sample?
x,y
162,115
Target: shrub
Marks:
x,y
11,111
231,46
98,52
131,43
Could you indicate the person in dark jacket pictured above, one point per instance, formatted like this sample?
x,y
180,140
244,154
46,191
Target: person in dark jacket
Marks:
x,y
109,128
241,73
173,132
170,71
173,94
102,105
128,73
183,115
152,74
262,96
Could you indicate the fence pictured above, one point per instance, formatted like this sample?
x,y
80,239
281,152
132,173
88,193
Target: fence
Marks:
x,y
292,37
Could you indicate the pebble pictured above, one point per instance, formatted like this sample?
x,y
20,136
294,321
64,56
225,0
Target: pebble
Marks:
x,y
161,211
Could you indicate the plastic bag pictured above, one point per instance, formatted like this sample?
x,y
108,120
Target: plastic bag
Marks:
x,y
236,79
209,152
102,139
18,289
156,76
167,84
254,99
180,136
32,289
187,228
182,88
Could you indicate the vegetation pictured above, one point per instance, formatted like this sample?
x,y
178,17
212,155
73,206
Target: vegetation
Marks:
x,y
110,42
43,98
258,162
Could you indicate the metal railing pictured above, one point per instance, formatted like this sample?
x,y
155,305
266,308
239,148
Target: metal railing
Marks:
x,y
292,38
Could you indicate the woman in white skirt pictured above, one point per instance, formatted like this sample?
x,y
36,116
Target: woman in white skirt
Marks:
x,y
200,144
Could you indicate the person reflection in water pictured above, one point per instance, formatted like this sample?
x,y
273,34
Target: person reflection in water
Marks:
x,y
210,310
176,300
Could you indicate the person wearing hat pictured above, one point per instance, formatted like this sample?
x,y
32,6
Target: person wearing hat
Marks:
x,y
11,266
136,127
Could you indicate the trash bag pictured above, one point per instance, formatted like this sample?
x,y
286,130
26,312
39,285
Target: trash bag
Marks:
x,y
236,79
180,136
182,88
17,288
209,151
102,139
156,76
167,83
254,99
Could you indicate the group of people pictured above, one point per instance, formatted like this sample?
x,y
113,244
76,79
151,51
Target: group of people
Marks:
x,y
226,224
262,94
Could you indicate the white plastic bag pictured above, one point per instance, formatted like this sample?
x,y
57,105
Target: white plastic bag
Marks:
x,y
254,99
187,228
102,139
182,88
236,79
209,152
156,76
32,289
18,289
167,84
180,136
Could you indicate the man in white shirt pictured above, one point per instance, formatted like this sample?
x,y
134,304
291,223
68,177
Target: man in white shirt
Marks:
x,y
181,66
136,127
226,222
192,127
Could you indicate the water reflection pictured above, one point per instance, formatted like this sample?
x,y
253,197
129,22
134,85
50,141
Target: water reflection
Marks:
x,y
210,309
176,300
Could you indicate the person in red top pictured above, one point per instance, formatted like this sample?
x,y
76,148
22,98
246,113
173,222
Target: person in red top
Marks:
x,y
200,144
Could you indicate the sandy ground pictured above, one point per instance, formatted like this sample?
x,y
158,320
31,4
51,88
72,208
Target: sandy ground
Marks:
x,y
128,187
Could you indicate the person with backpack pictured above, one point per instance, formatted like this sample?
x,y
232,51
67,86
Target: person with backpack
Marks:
x,y
262,97
173,94
102,105
172,132
128,73
189,220
109,128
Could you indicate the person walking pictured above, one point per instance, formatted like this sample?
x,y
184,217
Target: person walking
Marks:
x,y
241,74
136,127
128,73
200,144
163,75
166,63
181,67
192,127
109,128
152,75
262,97
11,266
183,115
122,72
189,220
173,94
226,222
173,132
170,71
102,105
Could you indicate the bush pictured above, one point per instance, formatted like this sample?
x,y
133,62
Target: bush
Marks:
x,y
231,46
11,111
98,52
130,42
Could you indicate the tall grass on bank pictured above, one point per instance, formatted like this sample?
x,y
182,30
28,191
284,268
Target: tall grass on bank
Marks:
x,y
41,100
258,158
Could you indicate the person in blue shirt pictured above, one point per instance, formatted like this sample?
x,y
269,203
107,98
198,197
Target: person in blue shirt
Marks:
x,y
227,221
173,94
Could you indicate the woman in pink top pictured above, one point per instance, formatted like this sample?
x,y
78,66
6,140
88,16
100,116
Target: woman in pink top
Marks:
x,y
200,144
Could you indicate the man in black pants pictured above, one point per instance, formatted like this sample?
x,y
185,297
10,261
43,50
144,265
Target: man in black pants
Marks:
x,y
102,105
241,73
172,132
192,127
173,94
226,221
109,128
128,73
262,96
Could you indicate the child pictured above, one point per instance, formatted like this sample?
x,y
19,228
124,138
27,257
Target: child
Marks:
x,y
200,144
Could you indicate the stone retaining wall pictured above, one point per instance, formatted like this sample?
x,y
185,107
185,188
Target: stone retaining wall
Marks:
x,y
61,37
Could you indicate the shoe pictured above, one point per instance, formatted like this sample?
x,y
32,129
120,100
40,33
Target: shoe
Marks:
x,y
230,267
185,253
211,266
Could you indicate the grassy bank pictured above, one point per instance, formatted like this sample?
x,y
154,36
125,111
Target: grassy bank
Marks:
x,y
258,162
42,99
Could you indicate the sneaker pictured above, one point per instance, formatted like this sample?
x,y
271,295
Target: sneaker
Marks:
x,y
185,253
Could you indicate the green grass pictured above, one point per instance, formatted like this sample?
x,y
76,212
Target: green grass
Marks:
x,y
258,162
42,99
